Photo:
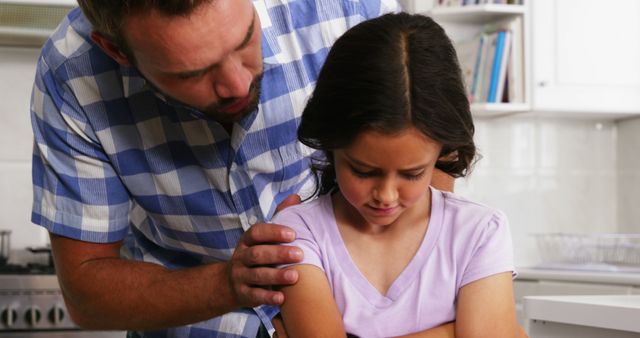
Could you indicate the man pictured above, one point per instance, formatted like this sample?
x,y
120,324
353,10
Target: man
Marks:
x,y
165,134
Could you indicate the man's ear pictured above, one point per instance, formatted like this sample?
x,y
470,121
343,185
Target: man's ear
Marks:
x,y
110,48
450,157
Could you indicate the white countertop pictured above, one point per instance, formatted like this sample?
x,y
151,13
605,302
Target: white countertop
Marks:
x,y
608,277
616,312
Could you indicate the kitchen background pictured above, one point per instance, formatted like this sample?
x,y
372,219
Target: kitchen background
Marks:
x,y
548,172
564,160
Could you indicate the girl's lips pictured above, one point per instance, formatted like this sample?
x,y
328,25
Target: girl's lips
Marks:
x,y
383,211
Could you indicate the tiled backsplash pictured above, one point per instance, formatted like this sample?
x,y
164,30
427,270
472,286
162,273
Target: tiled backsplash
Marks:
x,y
547,174
628,152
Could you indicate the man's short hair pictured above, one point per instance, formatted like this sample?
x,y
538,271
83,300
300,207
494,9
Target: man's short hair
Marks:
x,y
108,16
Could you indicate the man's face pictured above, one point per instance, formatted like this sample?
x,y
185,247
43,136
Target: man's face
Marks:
x,y
210,60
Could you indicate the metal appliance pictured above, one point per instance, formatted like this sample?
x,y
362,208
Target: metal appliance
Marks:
x,y
31,303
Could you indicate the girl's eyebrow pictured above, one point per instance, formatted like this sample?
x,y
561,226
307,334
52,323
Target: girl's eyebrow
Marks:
x,y
357,162
362,164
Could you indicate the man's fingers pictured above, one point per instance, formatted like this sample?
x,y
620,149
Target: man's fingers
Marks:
x,y
259,295
270,255
289,201
262,233
270,277
254,285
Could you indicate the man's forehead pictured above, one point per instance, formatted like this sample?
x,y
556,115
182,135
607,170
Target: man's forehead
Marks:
x,y
187,43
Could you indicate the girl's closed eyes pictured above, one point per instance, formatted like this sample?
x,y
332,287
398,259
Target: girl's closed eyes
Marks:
x,y
412,175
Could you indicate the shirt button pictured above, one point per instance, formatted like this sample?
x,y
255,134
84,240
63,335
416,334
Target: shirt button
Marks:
x,y
253,220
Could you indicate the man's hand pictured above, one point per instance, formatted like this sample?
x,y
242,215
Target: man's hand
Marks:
x,y
252,269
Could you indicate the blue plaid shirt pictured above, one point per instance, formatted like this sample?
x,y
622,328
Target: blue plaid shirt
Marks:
x,y
115,160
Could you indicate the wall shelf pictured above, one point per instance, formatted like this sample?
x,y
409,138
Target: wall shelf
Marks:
x,y
477,14
483,109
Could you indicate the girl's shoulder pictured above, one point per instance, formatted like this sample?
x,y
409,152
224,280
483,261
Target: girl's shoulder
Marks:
x,y
305,213
315,205
466,211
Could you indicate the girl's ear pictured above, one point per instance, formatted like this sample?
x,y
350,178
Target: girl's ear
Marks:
x,y
110,48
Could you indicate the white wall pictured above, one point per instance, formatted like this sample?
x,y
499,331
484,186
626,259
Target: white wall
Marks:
x,y
17,69
548,175
628,152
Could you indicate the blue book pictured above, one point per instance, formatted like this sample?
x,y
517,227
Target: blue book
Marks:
x,y
476,67
495,69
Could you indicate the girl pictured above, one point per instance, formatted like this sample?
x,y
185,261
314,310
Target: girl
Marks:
x,y
385,254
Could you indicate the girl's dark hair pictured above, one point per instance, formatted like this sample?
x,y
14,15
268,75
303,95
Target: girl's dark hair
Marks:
x,y
388,74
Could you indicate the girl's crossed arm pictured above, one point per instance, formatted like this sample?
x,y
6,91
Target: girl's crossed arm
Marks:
x,y
485,309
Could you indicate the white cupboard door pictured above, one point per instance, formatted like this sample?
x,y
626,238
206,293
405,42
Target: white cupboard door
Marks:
x,y
586,55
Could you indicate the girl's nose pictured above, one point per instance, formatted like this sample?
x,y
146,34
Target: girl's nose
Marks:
x,y
386,192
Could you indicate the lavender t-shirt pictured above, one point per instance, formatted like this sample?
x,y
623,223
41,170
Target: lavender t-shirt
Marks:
x,y
465,241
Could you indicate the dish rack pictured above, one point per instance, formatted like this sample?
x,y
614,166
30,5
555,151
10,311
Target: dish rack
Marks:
x,y
607,252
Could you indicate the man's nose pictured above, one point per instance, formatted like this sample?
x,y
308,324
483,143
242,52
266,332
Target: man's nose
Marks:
x,y
232,79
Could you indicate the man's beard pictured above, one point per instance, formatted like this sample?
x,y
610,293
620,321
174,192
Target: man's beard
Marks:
x,y
215,110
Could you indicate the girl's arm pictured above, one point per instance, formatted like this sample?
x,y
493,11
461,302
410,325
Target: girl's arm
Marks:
x,y
442,331
486,308
309,309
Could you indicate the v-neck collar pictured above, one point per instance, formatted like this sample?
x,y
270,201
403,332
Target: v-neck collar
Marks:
x,y
407,276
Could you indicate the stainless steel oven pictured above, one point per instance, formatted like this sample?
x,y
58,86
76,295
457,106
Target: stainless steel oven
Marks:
x,y
31,304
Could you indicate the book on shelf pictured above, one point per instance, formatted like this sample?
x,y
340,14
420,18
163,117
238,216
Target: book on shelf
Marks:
x,y
515,69
484,85
502,61
469,56
496,66
492,63
475,77
514,79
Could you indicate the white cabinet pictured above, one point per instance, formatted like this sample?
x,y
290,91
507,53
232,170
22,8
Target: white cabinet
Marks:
x,y
465,23
586,56
524,288
540,282
583,316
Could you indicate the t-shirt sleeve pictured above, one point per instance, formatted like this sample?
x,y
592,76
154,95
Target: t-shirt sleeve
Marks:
x,y
76,192
493,250
296,219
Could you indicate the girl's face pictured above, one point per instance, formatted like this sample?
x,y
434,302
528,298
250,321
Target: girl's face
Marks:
x,y
385,177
